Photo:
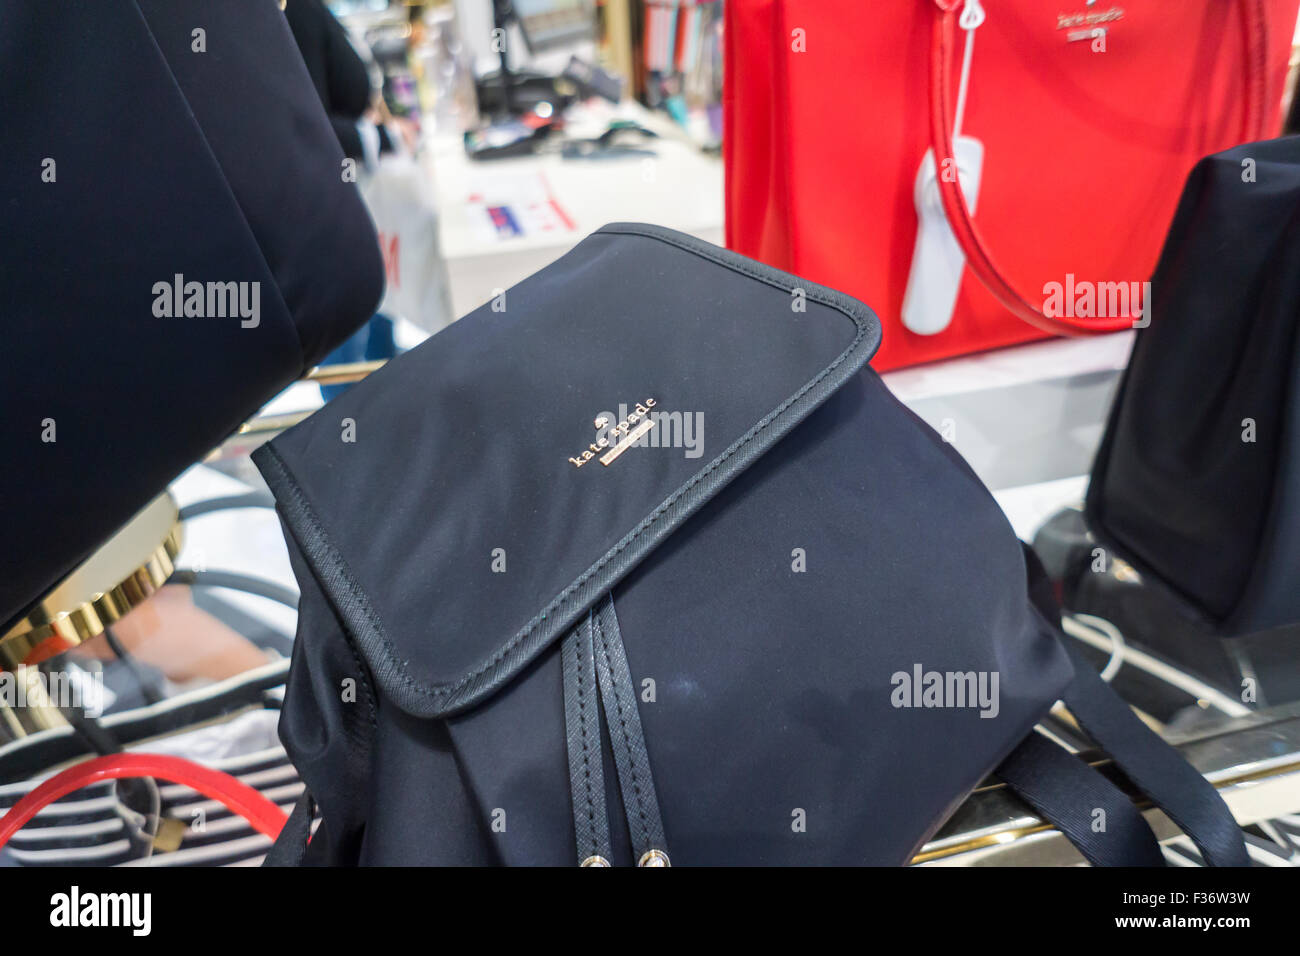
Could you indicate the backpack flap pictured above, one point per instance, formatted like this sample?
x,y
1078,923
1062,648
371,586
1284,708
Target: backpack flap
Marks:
x,y
466,505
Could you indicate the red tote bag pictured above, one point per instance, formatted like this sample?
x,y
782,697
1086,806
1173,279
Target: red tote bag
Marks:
x,y
1090,116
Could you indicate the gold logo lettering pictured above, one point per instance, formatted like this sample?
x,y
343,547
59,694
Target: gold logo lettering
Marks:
x,y
621,437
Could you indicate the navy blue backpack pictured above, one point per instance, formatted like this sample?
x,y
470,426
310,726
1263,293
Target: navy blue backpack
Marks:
x,y
641,564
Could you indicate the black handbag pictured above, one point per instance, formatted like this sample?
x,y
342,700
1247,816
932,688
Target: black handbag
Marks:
x,y
639,564
179,240
1197,480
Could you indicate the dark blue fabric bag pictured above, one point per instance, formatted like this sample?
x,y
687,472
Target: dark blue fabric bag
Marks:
x,y
546,621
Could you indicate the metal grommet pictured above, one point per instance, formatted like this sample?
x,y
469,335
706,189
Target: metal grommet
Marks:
x,y
654,858
596,860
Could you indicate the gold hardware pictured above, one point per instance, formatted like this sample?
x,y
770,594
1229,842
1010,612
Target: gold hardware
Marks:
x,y
170,835
654,858
125,571
32,700
595,860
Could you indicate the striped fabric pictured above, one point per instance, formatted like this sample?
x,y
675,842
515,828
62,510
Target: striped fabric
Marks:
x,y
93,828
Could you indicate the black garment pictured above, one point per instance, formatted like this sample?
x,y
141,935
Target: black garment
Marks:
x,y
337,72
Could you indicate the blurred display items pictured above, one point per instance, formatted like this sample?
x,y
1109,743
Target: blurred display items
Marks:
x,y
547,24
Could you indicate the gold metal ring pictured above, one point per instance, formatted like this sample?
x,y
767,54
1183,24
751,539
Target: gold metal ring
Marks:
x,y
125,572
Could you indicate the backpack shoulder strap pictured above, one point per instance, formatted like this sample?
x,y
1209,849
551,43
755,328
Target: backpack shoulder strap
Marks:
x,y
1156,768
1152,765
1068,793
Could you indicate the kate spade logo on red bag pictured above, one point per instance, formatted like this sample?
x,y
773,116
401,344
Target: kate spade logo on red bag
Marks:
x,y
1090,25
1088,18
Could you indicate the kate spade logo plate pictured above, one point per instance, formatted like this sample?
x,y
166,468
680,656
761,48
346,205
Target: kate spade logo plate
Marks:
x,y
616,439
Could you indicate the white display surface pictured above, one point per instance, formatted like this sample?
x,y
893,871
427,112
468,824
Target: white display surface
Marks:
x,y
680,188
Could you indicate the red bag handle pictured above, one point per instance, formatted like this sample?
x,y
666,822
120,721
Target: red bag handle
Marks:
x,y
238,796
1255,37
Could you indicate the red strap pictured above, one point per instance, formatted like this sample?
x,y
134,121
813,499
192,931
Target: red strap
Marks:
x,y
1254,32
236,795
